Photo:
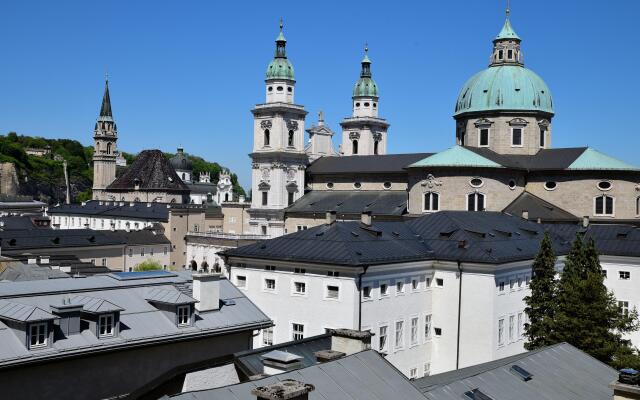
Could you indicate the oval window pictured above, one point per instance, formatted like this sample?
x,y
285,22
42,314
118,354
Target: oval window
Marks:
x,y
330,185
357,185
375,105
550,185
512,184
280,88
271,88
387,185
289,89
366,104
357,104
476,182
604,185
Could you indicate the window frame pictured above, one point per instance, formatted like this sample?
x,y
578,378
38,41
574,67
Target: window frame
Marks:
x,y
265,286
103,320
179,310
40,333
476,194
624,275
294,288
428,325
267,333
398,334
241,278
383,347
413,331
603,198
295,333
327,291
480,129
434,199
521,128
500,332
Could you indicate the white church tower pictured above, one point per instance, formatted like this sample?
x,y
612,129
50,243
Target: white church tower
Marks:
x,y
364,133
278,156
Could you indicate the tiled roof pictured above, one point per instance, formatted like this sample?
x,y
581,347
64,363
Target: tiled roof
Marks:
x,y
390,163
351,202
152,172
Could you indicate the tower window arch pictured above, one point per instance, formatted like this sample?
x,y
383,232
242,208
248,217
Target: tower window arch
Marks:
x,y
375,147
354,145
500,54
290,139
108,148
267,137
476,201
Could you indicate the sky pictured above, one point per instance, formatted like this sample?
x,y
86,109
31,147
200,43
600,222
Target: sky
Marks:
x,y
187,73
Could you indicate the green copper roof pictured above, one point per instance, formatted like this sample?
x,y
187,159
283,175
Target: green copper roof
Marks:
x,y
592,159
504,87
456,156
507,32
365,87
280,68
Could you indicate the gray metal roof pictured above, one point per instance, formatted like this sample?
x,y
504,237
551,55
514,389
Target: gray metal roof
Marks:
x,y
17,271
560,372
360,376
94,305
389,163
145,324
351,202
113,209
169,295
538,208
23,312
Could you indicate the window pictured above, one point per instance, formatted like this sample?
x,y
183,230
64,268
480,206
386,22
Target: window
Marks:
x,y
414,331
413,373
382,344
104,262
366,104
427,369
624,275
357,185
366,292
440,282
512,319
267,336
301,228
38,335
375,147
105,325
279,88
298,331
165,250
500,54
516,137
399,334
500,332
476,182
142,252
427,327
354,145
519,282
289,89
387,185
501,286
512,284
263,229
269,267
241,281
329,185
604,273
624,307
512,184
290,139
184,316
550,185
299,287
414,284
638,205
333,273
93,261
267,137
483,138
290,199
475,202
270,284
265,198
399,287
437,331
520,325
543,137
509,54
299,271
431,201
130,252
384,289
604,205
333,292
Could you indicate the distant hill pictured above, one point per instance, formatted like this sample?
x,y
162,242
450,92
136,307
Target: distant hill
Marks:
x,y
41,175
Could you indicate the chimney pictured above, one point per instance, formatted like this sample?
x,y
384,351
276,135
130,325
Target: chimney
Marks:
x,y
365,218
277,361
585,221
525,214
331,217
324,356
350,341
206,289
288,389
69,321
626,387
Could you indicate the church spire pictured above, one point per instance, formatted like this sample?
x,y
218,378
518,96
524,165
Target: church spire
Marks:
x,y
281,43
506,45
105,109
366,63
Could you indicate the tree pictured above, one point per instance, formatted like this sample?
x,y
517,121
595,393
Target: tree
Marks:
x,y
147,265
587,315
541,303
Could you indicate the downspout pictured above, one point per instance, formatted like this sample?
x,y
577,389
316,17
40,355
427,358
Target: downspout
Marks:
x,y
360,275
459,312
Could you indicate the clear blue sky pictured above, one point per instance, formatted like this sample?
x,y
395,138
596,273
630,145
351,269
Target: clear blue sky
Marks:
x,y
188,72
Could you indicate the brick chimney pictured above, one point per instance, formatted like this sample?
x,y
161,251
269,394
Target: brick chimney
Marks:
x,y
206,289
287,389
350,341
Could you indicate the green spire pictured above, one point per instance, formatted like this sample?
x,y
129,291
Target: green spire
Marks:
x,y
281,43
366,86
507,32
366,64
280,67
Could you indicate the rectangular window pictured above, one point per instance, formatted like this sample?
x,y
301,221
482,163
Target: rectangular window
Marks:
x,y
301,228
142,252
500,332
501,286
366,292
384,289
516,137
269,267
624,275
298,331
382,344
399,287
413,373
399,334
130,252
519,282
414,284
509,54
38,335
93,261
427,327
437,331
414,331
604,273
440,282
512,319
604,205
335,274
431,201
265,198
270,284
624,307
106,324
267,337
289,198
299,271
427,369
241,281
542,137
165,250
263,229
484,137
333,292
184,316
520,325
299,287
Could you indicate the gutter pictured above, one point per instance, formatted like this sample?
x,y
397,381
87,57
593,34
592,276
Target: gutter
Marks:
x,y
360,275
459,312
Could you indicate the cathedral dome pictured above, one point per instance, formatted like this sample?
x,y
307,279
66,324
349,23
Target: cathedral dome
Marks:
x,y
180,161
504,87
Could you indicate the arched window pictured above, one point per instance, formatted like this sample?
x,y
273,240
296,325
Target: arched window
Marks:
x,y
354,145
267,137
475,202
226,197
542,137
638,205
431,202
183,176
205,266
108,148
375,147
194,265
604,205
290,140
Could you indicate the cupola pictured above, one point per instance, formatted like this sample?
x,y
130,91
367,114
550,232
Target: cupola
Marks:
x,y
280,79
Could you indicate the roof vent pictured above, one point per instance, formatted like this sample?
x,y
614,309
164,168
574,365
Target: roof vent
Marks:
x,y
324,356
277,362
476,394
521,373
285,389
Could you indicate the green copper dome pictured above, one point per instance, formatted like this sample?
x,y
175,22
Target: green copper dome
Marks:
x,y
280,67
366,86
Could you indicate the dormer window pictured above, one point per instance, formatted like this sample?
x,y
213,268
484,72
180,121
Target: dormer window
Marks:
x,y
106,326
184,315
38,335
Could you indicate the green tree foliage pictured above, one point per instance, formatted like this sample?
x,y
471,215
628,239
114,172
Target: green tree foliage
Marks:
x,y
541,303
147,265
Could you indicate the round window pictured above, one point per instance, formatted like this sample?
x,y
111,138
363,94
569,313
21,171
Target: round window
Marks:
x,y
375,105
476,182
357,104
280,89
357,185
366,104
289,89
271,88
550,185
512,184
387,185
604,185
330,185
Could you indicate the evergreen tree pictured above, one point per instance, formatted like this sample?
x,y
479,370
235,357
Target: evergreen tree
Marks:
x,y
541,303
587,314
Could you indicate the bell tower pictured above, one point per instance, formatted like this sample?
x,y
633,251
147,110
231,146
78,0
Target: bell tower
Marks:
x,y
105,136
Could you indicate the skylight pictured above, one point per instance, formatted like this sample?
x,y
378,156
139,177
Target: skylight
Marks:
x,y
521,372
476,394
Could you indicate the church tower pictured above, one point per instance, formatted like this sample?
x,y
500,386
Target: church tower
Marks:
x,y
364,133
278,156
105,135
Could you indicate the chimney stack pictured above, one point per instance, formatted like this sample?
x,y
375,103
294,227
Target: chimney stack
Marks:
x,y
350,341
287,389
277,361
69,321
331,217
206,289
365,218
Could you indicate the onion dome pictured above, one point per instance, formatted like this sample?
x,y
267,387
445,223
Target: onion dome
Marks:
x,y
366,86
280,67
